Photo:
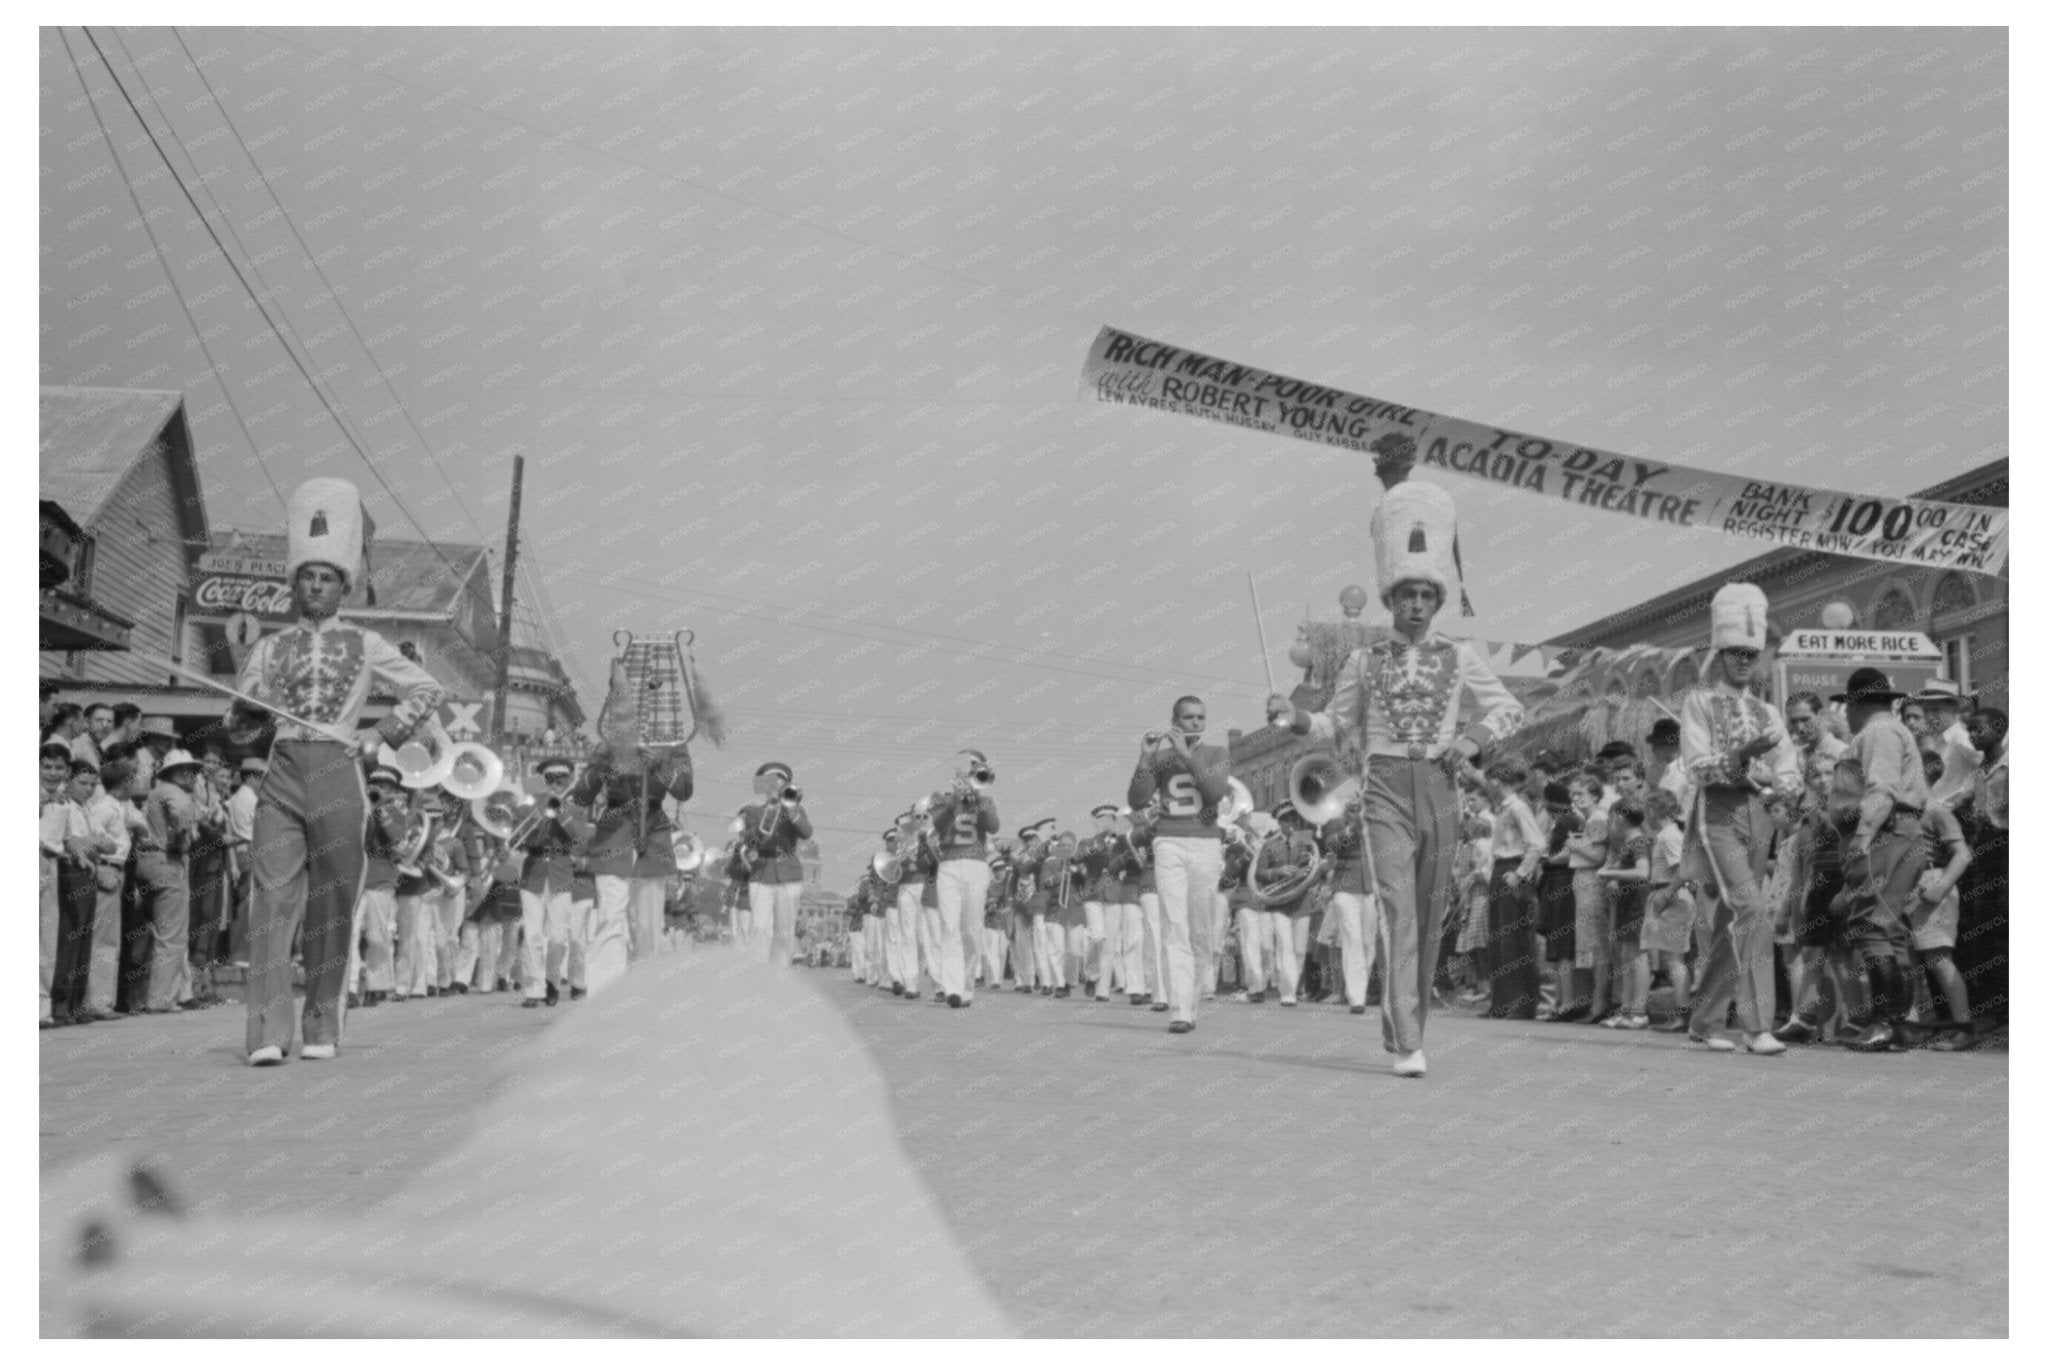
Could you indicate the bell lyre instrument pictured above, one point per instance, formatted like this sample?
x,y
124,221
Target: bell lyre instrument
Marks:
x,y
655,704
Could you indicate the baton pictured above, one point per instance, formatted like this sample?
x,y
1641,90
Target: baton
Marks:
x,y
1265,656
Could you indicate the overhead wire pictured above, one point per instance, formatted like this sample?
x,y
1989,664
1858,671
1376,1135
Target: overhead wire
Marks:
x,y
279,331
213,367
313,259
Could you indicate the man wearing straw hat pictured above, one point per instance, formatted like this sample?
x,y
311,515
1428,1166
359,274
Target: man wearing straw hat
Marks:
x,y
310,817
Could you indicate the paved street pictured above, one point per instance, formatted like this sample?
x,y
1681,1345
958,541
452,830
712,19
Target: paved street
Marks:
x,y
1266,1175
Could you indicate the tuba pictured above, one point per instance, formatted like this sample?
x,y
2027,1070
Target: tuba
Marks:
x,y
473,771
424,761
1270,886
1320,787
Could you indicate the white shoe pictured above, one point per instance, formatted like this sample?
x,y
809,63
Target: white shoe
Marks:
x,y
270,1055
1410,1064
1715,1042
1764,1044
316,1052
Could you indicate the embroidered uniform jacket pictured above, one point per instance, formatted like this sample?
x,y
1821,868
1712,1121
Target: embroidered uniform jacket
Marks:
x,y
1401,698
322,670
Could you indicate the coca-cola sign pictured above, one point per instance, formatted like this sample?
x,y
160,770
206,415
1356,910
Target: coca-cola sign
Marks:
x,y
224,594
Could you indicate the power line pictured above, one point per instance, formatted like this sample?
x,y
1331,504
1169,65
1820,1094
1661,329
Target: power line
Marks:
x,y
213,366
314,260
276,328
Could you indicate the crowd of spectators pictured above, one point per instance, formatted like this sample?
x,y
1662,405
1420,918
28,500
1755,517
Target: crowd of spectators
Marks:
x,y
144,872
1572,906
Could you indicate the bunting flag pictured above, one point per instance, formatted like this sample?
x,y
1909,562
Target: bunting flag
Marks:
x,y
1123,367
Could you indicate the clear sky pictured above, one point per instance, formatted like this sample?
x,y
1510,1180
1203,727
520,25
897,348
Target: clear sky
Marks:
x,y
789,326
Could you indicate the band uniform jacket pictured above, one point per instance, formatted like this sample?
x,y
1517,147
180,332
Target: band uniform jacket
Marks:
x,y
1286,855
619,844
453,858
383,831
1344,847
1126,868
1096,854
1401,699
321,671
777,864
961,826
551,851
1188,795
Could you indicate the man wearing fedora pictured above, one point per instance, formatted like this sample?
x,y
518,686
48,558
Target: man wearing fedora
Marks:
x,y
1882,862
308,841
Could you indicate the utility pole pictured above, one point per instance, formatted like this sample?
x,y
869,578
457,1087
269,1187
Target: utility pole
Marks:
x,y
505,599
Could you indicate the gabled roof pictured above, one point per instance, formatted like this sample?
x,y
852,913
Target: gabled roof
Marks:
x,y
409,575
91,438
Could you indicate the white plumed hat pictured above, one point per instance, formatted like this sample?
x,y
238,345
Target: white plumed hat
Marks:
x,y
1412,532
324,525
1738,616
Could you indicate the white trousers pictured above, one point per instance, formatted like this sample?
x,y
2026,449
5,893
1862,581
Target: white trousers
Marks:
x,y
625,923
545,954
1358,937
582,917
447,926
1105,931
928,940
370,947
1288,935
774,906
416,934
909,932
1219,936
1254,947
1187,871
1151,946
857,950
963,899
1024,951
1050,945
995,943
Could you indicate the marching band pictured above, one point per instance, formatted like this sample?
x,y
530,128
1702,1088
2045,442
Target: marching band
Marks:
x,y
438,871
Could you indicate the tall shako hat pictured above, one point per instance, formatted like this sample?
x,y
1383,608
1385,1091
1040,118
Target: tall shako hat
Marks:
x,y
1738,617
1412,532
324,524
